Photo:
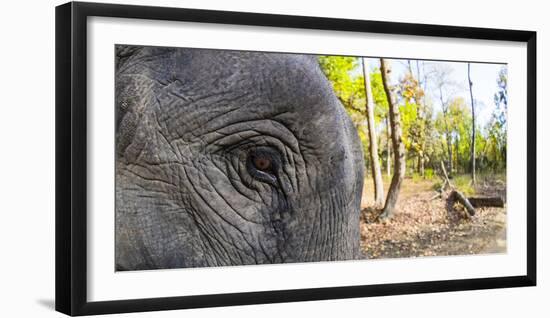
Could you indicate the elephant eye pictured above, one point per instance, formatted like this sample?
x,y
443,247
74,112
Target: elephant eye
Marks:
x,y
262,164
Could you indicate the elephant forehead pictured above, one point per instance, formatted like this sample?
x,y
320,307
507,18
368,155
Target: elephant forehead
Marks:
x,y
203,71
196,91
260,71
188,93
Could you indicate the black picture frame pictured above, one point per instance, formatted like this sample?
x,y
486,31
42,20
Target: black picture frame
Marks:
x,y
71,157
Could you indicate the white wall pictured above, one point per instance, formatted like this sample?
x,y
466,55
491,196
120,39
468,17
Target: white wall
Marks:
x,y
27,158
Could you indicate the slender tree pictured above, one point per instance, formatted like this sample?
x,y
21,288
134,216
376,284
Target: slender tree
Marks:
x,y
397,142
373,147
473,147
423,115
414,119
448,136
388,145
498,124
443,82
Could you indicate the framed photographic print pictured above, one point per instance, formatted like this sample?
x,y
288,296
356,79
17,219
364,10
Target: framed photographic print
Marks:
x,y
208,158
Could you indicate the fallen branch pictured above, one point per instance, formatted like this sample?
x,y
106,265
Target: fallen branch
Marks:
x,y
457,196
437,195
469,203
486,202
446,181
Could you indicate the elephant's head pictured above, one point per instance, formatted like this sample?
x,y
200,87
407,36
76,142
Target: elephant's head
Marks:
x,y
231,158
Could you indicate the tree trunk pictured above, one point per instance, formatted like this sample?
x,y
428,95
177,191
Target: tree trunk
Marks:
x,y
457,159
388,145
448,136
473,147
397,143
422,116
373,147
421,163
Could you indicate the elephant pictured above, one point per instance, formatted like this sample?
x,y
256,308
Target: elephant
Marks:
x,y
228,157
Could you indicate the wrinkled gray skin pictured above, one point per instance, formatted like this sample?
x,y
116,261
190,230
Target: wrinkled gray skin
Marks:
x,y
187,195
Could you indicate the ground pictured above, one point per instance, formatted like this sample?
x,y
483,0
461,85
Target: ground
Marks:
x,y
428,226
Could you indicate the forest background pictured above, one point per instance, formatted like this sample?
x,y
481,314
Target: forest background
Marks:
x,y
429,129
